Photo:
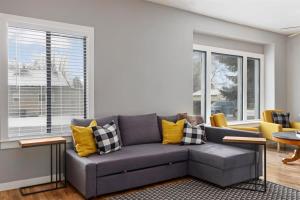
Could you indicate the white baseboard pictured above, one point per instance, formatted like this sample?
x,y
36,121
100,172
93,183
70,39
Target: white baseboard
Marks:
x,y
25,182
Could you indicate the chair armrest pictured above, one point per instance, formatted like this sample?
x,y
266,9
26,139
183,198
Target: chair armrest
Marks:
x,y
81,173
295,125
268,128
215,134
244,128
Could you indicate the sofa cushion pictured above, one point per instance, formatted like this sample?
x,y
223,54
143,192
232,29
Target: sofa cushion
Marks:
x,y
221,156
139,129
100,122
138,157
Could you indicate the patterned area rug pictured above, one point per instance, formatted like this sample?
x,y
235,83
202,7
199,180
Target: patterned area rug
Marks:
x,y
195,189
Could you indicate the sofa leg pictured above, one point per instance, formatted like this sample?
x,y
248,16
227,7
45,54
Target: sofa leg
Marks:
x,y
278,147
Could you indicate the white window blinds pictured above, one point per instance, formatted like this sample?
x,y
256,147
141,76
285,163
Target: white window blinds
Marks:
x,y
47,81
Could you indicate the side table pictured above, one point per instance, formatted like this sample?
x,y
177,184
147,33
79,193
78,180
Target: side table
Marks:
x,y
255,141
53,141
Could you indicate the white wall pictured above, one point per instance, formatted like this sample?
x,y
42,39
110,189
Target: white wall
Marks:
x,y
293,77
143,61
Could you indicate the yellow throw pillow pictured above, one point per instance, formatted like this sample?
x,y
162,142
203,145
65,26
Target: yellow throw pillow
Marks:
x,y
172,132
84,139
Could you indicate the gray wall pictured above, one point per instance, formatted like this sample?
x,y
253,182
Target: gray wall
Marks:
x,y
293,72
220,42
143,60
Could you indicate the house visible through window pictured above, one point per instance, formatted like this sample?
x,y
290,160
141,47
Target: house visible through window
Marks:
x,y
231,83
47,81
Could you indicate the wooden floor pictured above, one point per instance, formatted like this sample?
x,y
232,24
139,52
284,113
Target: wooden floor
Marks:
x,y
288,175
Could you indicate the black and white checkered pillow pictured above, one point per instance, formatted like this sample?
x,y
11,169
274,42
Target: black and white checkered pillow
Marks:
x,y
193,134
106,138
281,118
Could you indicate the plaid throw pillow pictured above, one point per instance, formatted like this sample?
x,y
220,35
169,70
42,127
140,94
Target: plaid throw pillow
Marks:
x,y
193,134
281,118
106,138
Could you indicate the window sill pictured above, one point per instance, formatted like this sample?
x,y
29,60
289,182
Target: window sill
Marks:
x,y
14,144
244,123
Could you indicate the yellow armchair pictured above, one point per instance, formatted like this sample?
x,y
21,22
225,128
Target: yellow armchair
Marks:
x,y
267,126
295,125
219,120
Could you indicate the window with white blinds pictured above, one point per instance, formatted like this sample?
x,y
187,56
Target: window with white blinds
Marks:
x,y
47,81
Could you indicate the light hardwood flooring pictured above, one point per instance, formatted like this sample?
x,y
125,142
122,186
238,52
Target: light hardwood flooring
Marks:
x,y
288,175
277,172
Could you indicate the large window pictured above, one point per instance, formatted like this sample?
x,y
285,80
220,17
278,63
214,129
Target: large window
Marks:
x,y
47,77
226,81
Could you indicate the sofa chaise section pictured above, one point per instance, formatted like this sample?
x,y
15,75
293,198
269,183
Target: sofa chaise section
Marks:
x,y
224,164
221,164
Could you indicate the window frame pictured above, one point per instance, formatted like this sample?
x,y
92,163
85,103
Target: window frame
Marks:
x,y
7,20
203,85
245,55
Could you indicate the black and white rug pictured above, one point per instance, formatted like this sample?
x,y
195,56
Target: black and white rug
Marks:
x,y
190,188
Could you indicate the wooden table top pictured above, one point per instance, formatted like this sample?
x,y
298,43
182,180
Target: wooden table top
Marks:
x,y
246,140
41,141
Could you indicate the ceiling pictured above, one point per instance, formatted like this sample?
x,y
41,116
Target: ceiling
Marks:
x,y
272,15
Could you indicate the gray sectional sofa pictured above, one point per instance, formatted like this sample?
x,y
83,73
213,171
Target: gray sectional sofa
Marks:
x,y
144,160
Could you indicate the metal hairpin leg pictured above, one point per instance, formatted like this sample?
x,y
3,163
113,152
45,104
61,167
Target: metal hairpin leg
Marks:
x,y
58,179
51,164
265,167
65,164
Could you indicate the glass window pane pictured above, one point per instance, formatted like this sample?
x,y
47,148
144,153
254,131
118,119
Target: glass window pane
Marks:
x,y
198,72
67,81
46,81
226,86
253,68
26,82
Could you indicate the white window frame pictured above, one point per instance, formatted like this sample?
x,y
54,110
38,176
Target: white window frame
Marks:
x,y
244,54
26,22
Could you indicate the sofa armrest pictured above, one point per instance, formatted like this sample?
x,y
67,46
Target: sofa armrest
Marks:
x,y
215,134
268,128
81,173
295,125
